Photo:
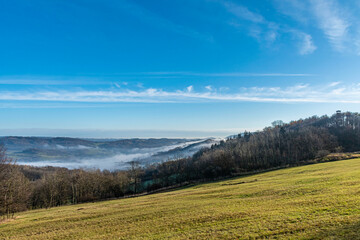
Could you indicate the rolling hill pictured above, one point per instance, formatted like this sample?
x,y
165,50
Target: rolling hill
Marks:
x,y
319,201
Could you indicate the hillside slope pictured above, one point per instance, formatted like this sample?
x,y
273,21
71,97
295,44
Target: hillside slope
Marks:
x,y
313,202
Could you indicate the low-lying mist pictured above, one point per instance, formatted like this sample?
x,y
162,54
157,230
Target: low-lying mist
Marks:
x,y
119,158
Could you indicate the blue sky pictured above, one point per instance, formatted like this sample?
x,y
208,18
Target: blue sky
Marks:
x,y
174,68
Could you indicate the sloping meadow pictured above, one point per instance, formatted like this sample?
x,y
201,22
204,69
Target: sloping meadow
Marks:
x,y
313,202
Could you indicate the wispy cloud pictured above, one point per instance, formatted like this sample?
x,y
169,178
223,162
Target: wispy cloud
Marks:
x,y
333,84
337,20
293,8
243,12
121,84
268,31
333,23
307,45
297,93
261,29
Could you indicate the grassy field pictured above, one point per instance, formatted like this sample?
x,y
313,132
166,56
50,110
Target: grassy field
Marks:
x,y
320,201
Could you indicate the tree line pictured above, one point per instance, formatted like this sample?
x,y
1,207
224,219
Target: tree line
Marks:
x,y
281,145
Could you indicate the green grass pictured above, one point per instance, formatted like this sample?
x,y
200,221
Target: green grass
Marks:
x,y
320,201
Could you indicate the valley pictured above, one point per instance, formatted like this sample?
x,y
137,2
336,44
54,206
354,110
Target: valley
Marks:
x,y
99,153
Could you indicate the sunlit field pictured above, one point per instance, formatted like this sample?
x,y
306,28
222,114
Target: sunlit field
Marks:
x,y
320,201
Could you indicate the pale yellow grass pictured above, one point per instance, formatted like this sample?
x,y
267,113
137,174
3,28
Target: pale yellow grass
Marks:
x,y
320,201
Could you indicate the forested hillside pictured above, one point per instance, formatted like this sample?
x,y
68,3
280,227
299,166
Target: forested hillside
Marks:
x,y
283,144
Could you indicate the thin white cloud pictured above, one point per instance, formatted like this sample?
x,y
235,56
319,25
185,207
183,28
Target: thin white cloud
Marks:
x,y
296,93
243,12
261,29
336,21
332,21
333,84
140,85
293,8
121,84
307,45
268,31
339,91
